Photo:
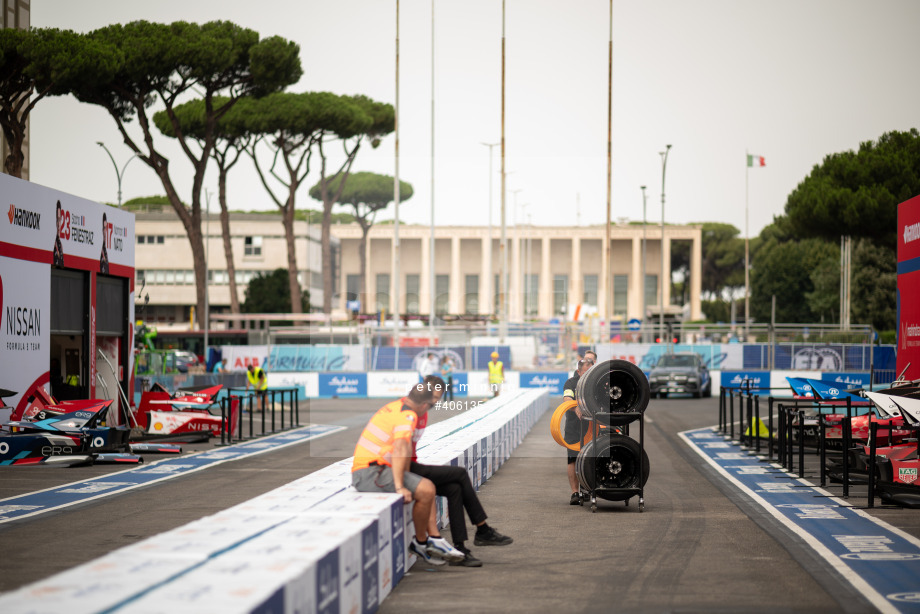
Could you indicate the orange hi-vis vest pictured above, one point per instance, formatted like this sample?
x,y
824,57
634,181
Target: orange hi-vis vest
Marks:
x,y
375,445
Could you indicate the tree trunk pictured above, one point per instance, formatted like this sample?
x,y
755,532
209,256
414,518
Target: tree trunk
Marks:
x,y
228,246
287,218
326,242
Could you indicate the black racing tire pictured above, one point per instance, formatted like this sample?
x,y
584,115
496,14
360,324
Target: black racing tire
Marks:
x,y
612,461
708,391
613,386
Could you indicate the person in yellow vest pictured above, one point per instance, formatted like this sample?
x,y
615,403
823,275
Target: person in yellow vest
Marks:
x,y
256,377
496,374
383,456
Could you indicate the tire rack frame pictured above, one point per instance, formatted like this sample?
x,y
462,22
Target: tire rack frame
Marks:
x,y
621,419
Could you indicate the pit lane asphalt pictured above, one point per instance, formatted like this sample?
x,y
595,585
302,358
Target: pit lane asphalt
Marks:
x,y
699,546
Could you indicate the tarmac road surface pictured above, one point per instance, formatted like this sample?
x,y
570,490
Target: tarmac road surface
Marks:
x,y
699,546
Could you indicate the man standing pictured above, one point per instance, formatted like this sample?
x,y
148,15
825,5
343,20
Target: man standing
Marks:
x,y
382,462
496,374
256,377
429,366
574,426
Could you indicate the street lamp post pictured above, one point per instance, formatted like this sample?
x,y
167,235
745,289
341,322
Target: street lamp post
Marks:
x,y
118,174
664,165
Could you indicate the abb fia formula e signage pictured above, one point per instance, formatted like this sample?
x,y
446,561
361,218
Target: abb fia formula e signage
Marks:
x,y
46,233
908,352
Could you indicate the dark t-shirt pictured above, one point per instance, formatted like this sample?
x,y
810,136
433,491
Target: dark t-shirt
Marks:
x,y
573,426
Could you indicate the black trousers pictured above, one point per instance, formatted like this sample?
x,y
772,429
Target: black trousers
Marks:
x,y
454,483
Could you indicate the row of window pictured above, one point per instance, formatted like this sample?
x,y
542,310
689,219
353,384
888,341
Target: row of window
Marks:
x,y
252,246
531,288
186,277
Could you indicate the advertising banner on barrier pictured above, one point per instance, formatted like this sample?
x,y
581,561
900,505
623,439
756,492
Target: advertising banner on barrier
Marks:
x,y
908,302
343,385
307,383
238,357
553,380
847,380
645,355
390,384
316,358
737,379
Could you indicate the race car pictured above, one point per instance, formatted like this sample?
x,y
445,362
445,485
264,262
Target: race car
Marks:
x,y
67,433
188,410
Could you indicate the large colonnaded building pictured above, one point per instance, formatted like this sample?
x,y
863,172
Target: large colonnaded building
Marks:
x,y
551,268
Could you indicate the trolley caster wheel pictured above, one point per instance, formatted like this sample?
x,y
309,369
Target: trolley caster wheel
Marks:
x,y
626,502
593,508
641,505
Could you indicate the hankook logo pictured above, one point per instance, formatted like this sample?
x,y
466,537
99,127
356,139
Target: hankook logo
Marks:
x,y
24,218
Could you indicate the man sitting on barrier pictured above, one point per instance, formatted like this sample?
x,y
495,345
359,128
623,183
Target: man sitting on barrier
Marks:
x,y
574,424
382,458
450,482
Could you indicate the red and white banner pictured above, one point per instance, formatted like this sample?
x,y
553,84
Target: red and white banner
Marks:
x,y
908,349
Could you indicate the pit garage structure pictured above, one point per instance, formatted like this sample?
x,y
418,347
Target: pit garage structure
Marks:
x,y
66,296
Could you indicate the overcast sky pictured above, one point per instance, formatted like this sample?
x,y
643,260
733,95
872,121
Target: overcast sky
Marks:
x,y
790,80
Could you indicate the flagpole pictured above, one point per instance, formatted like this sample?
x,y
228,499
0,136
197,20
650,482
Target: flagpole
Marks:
x,y
747,281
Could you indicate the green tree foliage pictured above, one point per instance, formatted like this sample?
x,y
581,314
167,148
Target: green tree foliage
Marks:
x,y
857,193
853,193
230,141
163,64
783,269
38,63
366,193
824,301
722,260
874,284
293,127
270,293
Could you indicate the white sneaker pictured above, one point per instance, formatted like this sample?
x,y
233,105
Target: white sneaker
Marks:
x,y
440,548
422,552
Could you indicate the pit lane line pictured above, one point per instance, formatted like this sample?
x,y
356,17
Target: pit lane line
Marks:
x,y
50,499
882,562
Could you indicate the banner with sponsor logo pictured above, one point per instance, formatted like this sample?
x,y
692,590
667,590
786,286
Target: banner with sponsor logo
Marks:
x,y
390,384
553,380
41,228
25,325
343,385
908,345
239,357
847,381
317,358
739,379
646,355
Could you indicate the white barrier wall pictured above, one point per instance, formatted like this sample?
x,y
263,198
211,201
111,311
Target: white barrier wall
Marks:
x,y
313,545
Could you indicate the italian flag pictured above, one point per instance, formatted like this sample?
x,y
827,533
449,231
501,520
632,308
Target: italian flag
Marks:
x,y
756,161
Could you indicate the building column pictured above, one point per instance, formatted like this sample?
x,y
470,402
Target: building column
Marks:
x,y
546,281
455,298
637,281
515,312
370,283
424,287
576,277
485,278
696,274
666,283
